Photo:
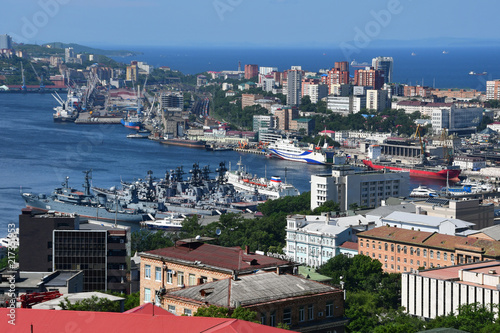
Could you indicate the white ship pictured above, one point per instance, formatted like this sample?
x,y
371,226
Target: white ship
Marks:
x,y
172,222
423,192
273,188
289,149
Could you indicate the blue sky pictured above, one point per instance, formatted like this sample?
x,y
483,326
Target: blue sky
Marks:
x,y
245,22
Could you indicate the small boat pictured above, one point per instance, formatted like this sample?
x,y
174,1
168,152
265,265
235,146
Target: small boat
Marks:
x,y
136,136
423,192
477,74
167,223
413,54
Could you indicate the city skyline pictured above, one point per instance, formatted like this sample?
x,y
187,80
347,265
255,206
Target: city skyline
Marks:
x,y
239,23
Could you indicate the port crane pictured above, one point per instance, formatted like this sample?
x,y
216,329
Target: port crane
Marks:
x,y
38,77
422,149
23,87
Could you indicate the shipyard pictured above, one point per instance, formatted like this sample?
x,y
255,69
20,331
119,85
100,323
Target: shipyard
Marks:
x,y
194,167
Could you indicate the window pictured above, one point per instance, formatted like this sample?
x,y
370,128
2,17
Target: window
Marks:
x,y
399,259
169,276
425,253
147,271
302,314
180,278
418,252
399,249
187,312
373,245
445,256
171,308
157,273
432,254
392,258
263,318
399,268
404,250
192,280
147,295
404,259
287,316
418,263
411,250
392,247
411,261
386,246
272,319
329,309
310,312
452,257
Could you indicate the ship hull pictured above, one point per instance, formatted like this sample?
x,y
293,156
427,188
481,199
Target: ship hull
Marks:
x,y
131,124
305,157
428,173
184,143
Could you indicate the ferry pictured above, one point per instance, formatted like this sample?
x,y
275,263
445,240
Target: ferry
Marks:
x,y
289,149
423,192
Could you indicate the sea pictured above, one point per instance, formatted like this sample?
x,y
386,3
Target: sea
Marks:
x,y
439,67
37,154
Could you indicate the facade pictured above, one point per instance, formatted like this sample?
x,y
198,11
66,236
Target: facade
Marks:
x,y
263,122
284,117
377,100
469,162
49,243
191,262
302,304
294,86
337,76
34,282
316,91
249,99
313,242
369,77
401,250
251,71
472,210
69,54
493,90
339,104
385,64
5,42
347,186
132,72
456,119
305,124
171,100
441,291
358,103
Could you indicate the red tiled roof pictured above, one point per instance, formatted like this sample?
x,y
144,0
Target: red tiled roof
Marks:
x,y
49,321
350,245
150,309
451,272
231,258
396,234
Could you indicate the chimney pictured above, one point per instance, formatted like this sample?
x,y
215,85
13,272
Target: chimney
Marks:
x,y
247,249
327,220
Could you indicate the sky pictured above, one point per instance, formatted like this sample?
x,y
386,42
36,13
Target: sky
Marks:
x,y
246,23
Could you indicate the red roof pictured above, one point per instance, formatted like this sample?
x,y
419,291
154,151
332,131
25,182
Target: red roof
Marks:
x,y
350,245
49,321
150,309
230,258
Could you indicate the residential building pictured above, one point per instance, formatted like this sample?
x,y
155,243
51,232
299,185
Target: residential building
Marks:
x,y
457,120
268,83
421,222
69,54
313,240
132,73
315,91
347,186
471,210
249,99
340,89
369,77
35,282
284,117
144,68
337,76
227,86
493,90
191,262
440,291
342,65
377,100
402,250
5,42
251,71
305,124
171,100
302,304
384,64
50,242
201,80
294,85
358,103
55,61
267,70
339,104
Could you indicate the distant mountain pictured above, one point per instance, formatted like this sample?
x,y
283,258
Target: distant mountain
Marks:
x,y
90,50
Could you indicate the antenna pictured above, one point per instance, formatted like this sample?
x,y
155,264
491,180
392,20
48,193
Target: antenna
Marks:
x,y
218,231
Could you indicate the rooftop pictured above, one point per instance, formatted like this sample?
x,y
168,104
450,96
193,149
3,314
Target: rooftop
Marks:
x,y
217,257
426,220
252,289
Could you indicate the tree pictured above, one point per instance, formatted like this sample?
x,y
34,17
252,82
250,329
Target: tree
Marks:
x,y
244,314
212,311
91,304
146,240
473,317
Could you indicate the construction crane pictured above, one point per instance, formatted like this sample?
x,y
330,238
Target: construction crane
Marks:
x,y
23,87
448,157
422,149
38,77
28,300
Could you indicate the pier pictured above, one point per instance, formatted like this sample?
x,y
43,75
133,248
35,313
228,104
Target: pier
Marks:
x,y
250,151
86,118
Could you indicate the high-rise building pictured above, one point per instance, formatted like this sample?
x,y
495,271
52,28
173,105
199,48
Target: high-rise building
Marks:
x,y
172,100
385,64
377,100
493,90
132,72
342,65
369,77
337,76
5,42
251,71
294,87
69,54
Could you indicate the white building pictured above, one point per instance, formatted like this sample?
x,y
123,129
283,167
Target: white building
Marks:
x,y
144,68
339,104
440,291
358,103
347,186
340,89
267,70
494,126
377,100
456,119
263,122
313,240
316,92
268,84
419,222
227,86
469,162
294,86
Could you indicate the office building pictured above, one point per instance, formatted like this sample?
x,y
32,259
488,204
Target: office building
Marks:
x,y
294,86
402,250
171,100
302,304
284,117
339,104
377,100
384,64
50,242
251,71
348,187
440,291
456,120
263,123
5,42
69,54
369,77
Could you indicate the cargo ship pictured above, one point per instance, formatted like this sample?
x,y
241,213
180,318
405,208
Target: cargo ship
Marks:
x,y
435,172
184,143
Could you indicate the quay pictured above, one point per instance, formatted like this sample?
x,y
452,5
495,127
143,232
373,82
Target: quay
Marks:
x,y
250,151
86,118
